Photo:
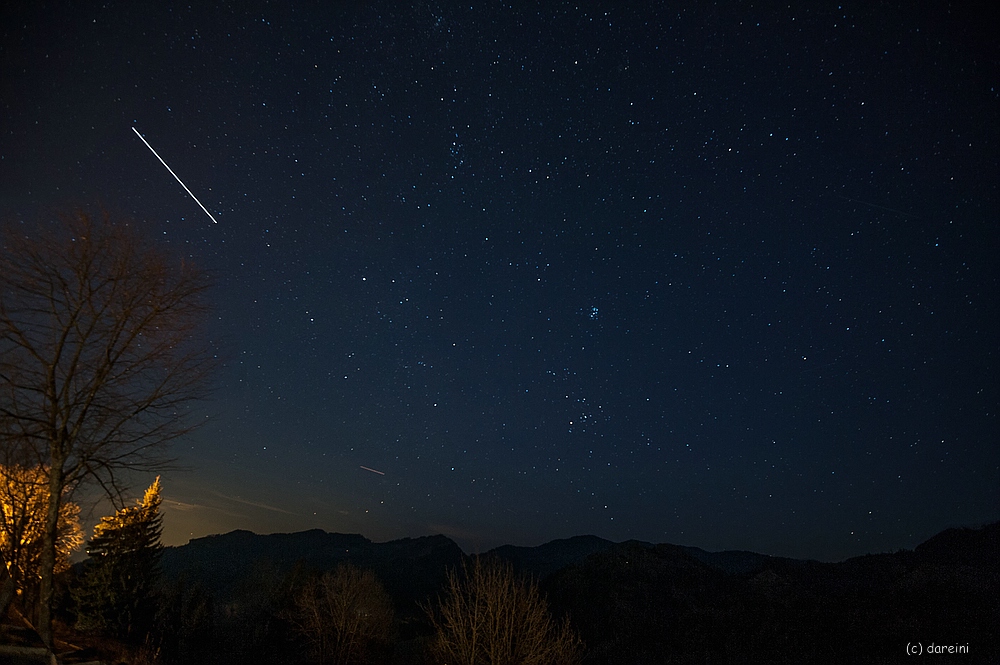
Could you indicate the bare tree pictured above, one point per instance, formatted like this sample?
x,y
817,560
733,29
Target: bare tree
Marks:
x,y
343,614
99,357
490,617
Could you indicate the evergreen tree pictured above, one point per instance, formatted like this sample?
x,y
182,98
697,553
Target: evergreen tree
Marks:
x,y
117,593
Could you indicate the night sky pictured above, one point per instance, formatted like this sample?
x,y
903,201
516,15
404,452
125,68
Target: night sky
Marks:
x,y
720,275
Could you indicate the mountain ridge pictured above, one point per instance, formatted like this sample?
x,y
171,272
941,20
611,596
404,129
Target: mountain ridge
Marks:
x,y
634,601
315,548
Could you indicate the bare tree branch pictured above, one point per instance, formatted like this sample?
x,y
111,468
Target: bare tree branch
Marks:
x,y
100,354
488,616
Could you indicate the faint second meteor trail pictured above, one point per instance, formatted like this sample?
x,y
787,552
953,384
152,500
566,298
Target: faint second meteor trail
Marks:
x,y
381,473
190,193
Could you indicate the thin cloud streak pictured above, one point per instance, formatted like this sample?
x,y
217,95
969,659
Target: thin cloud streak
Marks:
x,y
255,504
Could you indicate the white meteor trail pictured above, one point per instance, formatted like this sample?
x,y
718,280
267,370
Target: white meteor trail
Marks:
x,y
381,473
190,193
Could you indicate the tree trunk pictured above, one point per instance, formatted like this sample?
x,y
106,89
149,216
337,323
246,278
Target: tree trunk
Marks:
x,y
7,588
47,562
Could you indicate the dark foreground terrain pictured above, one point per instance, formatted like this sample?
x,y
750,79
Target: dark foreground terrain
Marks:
x,y
632,602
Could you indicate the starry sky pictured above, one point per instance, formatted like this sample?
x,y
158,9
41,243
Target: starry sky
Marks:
x,y
718,274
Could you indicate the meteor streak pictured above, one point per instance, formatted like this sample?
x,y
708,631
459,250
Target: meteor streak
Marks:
x,y
381,473
175,175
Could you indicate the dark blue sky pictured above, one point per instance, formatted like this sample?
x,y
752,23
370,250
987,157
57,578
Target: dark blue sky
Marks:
x,y
721,276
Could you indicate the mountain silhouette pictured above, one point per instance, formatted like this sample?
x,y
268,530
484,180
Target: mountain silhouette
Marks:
x,y
636,601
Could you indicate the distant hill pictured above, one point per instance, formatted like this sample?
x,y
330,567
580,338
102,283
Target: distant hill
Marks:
x,y
637,601
543,560
971,547
220,562
410,568
633,603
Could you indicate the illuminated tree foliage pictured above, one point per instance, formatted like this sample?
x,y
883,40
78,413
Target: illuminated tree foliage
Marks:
x,y
117,592
24,497
99,357
345,615
490,617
